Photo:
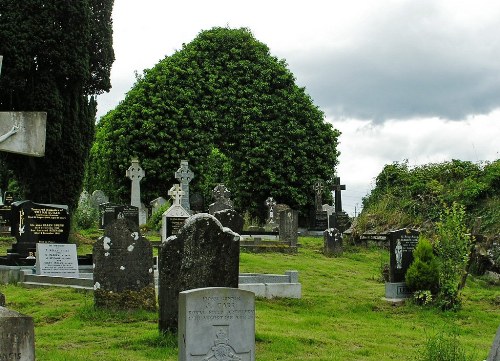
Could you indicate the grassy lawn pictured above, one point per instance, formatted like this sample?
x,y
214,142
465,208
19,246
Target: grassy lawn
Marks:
x,y
340,317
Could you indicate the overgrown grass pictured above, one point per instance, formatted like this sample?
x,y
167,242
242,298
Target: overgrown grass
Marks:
x,y
340,316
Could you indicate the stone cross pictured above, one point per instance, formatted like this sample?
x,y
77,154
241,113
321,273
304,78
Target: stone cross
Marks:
x,y
176,193
221,193
337,187
270,202
135,173
318,188
184,175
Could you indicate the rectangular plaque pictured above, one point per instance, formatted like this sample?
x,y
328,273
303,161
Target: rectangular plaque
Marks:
x,y
56,259
401,244
174,224
24,132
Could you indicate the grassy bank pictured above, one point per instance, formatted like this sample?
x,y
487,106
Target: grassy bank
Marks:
x,y
340,317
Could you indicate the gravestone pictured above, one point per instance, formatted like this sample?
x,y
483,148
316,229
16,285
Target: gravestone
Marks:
x,y
494,354
2,299
320,219
34,223
110,212
97,198
401,245
339,219
278,209
17,341
55,259
216,324
222,199
173,218
332,242
288,226
84,199
197,203
135,173
231,219
123,268
157,203
203,254
6,212
184,175
270,203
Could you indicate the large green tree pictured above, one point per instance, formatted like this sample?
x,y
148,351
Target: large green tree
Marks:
x,y
57,57
233,111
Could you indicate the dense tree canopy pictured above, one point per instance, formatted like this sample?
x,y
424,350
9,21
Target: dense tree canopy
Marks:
x,y
233,111
56,56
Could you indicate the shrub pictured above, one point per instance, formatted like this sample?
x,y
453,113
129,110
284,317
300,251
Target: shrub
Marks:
x,y
443,347
154,222
86,217
423,273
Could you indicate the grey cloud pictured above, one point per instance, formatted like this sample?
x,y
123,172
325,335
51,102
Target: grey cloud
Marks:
x,y
413,62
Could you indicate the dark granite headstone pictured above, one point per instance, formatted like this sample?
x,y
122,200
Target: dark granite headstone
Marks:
x,y
174,224
8,198
340,221
2,299
17,341
110,212
231,219
320,222
123,268
201,255
494,354
402,243
332,242
34,223
288,226
197,203
5,217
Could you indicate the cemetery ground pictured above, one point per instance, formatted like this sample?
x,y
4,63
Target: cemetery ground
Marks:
x,y
340,316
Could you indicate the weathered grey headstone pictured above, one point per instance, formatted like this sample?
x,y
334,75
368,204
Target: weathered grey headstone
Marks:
x,y
37,223
173,218
123,268
84,199
23,133
97,198
203,254
231,219
17,341
216,324
184,175
222,199
55,259
494,354
320,218
332,242
288,227
2,299
135,173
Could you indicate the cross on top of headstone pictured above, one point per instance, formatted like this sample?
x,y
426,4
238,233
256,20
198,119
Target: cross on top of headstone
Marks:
x,y
184,175
270,202
176,193
135,172
220,192
337,187
318,188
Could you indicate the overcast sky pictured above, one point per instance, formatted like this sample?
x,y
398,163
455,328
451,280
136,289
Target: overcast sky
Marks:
x,y
415,80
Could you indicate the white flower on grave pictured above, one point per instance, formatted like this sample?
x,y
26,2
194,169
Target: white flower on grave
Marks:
x,y
97,285
107,243
130,248
122,268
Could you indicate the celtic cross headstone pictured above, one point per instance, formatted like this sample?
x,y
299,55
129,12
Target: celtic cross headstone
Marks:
x,y
184,175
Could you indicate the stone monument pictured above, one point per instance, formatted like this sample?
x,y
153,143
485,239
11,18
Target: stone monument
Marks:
x,y
222,199
340,219
18,336
135,173
173,218
320,219
184,175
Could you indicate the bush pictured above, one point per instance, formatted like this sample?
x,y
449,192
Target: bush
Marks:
x,y
423,273
154,222
443,347
86,217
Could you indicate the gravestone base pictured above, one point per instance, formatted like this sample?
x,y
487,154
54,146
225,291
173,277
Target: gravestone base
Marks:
x,y
397,291
18,336
126,300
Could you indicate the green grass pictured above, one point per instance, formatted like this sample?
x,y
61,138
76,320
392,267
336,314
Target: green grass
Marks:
x,y
340,316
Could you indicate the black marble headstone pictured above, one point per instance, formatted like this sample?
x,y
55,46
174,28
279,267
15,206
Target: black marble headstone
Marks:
x,y
6,212
196,203
34,223
201,255
340,221
110,212
320,221
174,224
123,268
401,245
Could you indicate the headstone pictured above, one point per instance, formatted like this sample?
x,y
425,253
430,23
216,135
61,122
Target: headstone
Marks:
x,y
288,227
173,218
332,242
6,212
123,268
2,299
216,324
222,199
135,173
494,354
110,212
55,259
18,336
231,219
270,203
34,223
97,198
320,218
197,203
340,221
84,200
278,209
338,188
157,203
23,133
184,175
203,254
401,245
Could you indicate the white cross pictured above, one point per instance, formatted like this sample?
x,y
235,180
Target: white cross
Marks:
x,y
176,193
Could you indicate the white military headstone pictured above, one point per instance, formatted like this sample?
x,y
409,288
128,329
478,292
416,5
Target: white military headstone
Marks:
x,y
216,323
56,259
